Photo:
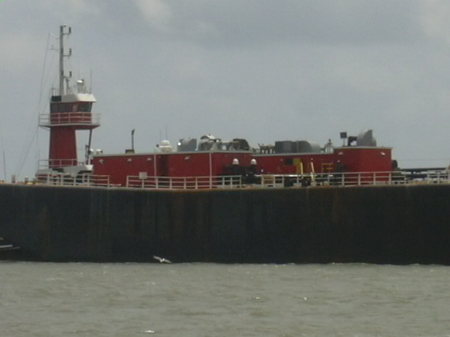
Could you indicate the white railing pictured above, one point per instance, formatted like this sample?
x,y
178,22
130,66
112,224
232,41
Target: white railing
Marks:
x,y
436,177
68,180
355,179
47,163
184,183
69,118
341,179
334,179
289,180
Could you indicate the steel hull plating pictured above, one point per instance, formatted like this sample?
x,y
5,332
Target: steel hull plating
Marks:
x,y
381,224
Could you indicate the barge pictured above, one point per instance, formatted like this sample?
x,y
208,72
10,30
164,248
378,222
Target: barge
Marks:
x,y
217,200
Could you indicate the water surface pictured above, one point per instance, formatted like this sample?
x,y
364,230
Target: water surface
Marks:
x,y
88,299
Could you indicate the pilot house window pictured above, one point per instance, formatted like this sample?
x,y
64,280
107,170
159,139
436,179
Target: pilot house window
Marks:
x,y
71,107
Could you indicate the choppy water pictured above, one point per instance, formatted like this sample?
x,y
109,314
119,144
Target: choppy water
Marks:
x,y
81,299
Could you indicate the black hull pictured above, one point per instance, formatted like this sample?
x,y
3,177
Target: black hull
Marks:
x,y
374,224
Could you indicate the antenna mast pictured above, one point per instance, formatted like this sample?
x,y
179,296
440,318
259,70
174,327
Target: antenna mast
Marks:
x,y
63,31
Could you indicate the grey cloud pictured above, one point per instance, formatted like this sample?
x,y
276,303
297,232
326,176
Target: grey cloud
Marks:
x,y
262,22
259,69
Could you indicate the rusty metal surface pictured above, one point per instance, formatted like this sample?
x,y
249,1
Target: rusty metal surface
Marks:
x,y
381,224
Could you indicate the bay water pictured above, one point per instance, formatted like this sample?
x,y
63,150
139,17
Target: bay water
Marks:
x,y
202,299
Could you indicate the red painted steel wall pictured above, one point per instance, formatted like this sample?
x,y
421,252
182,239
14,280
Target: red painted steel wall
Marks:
x,y
351,159
63,126
188,164
223,160
197,164
359,159
63,148
118,167
290,163
181,164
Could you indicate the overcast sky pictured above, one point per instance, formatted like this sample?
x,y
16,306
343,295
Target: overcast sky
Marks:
x,y
258,69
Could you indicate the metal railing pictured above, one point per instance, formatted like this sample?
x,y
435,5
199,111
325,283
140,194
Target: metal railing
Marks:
x,y
68,180
340,179
289,180
47,163
355,179
332,179
184,183
69,118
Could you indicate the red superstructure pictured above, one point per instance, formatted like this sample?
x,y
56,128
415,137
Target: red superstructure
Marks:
x,y
342,159
70,111
358,157
176,164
